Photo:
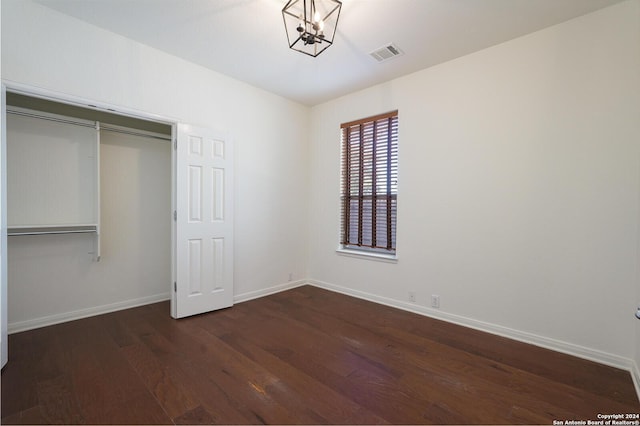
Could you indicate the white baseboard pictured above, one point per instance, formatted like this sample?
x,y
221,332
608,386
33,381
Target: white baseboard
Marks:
x,y
16,327
521,336
245,297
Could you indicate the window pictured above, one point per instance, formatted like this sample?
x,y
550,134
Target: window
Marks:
x,y
369,189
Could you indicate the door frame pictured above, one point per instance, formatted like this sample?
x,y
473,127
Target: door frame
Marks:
x,y
4,347
37,92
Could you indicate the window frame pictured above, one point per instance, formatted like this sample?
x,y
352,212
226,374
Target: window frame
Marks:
x,y
364,135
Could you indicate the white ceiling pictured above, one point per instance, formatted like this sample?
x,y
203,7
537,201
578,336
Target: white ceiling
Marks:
x,y
246,39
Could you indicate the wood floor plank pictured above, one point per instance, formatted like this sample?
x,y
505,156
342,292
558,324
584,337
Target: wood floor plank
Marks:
x,y
23,395
173,397
304,356
139,410
58,402
214,401
336,408
197,416
115,325
228,381
251,381
31,416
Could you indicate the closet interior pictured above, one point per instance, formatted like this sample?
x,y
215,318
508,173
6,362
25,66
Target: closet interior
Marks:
x,y
88,211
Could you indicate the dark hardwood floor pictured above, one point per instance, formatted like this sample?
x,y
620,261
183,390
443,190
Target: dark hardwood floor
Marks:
x,y
304,356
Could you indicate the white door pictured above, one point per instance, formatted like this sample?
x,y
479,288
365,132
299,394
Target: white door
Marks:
x,y
204,222
4,350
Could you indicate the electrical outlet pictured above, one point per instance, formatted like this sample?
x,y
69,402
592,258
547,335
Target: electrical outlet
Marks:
x,y
290,276
412,297
435,301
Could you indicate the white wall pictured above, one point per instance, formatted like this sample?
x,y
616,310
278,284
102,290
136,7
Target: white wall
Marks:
x,y
518,187
52,51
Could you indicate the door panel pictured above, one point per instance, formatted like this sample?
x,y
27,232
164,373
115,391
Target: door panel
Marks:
x,y
204,227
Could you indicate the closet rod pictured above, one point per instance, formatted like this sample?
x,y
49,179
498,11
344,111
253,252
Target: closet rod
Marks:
x,y
13,233
44,117
49,229
106,128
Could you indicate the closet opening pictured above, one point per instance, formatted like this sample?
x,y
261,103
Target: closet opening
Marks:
x,y
89,211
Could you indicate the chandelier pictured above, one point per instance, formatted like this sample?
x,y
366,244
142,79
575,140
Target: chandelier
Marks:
x,y
311,24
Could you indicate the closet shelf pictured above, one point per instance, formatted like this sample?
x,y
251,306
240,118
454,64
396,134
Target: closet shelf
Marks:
x,y
52,229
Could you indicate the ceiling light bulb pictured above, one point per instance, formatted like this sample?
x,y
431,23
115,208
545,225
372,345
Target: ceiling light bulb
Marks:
x,y
316,17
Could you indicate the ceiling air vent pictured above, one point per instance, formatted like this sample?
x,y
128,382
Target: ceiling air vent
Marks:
x,y
386,52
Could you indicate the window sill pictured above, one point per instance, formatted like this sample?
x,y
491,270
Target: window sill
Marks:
x,y
379,257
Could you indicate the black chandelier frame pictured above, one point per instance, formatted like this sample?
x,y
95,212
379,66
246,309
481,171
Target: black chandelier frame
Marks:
x,y
308,36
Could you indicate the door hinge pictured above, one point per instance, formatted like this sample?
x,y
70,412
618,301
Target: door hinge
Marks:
x,y
175,144
175,286
175,215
